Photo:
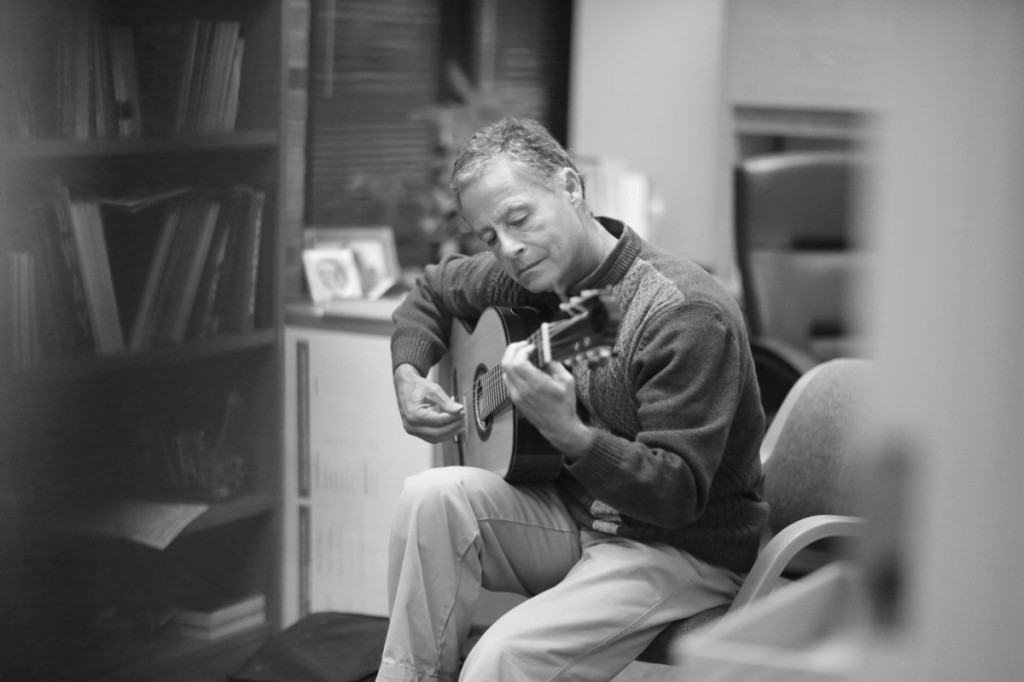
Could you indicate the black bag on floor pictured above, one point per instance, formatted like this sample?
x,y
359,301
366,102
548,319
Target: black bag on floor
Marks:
x,y
322,647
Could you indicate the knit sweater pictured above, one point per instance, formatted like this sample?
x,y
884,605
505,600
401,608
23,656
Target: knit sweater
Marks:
x,y
676,412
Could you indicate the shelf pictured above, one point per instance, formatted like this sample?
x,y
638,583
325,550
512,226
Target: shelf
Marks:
x,y
353,315
107,455
223,513
83,368
120,520
183,144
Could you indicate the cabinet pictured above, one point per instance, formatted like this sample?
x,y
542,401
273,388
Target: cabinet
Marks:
x,y
129,420
346,456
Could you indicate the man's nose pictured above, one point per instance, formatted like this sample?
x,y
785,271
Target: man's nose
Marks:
x,y
509,245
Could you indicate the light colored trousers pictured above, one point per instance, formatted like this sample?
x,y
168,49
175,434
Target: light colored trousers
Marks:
x,y
597,600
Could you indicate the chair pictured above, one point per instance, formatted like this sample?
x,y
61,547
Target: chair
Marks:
x,y
809,457
795,250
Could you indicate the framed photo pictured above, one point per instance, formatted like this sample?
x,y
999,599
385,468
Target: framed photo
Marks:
x,y
374,249
332,274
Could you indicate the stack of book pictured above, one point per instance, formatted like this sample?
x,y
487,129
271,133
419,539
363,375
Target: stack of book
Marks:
x,y
203,274
192,72
20,323
120,81
214,621
117,275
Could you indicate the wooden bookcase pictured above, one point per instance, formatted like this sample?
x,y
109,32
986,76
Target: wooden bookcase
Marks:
x,y
190,418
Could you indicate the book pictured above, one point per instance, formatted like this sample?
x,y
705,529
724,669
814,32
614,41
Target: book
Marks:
x,y
192,259
87,230
55,315
104,106
125,81
254,246
88,243
141,335
232,627
192,85
234,309
56,230
24,311
201,321
230,113
167,296
215,615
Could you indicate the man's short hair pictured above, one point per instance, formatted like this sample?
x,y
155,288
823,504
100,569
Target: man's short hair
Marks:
x,y
522,141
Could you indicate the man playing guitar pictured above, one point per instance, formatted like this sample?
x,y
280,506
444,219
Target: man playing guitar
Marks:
x,y
653,513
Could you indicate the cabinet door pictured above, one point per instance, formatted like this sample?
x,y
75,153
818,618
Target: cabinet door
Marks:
x,y
346,458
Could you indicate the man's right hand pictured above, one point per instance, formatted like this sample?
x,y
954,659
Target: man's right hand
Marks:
x,y
427,411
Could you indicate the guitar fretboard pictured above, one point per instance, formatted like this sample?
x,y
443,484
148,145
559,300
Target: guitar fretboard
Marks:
x,y
489,390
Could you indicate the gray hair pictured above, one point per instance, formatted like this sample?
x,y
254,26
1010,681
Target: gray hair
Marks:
x,y
523,141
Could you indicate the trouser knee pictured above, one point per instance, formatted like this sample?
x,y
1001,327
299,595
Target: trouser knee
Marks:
x,y
503,656
435,496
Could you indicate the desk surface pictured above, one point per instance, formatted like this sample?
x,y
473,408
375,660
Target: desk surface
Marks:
x,y
353,314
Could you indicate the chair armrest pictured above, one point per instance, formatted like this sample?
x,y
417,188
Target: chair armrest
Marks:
x,y
777,554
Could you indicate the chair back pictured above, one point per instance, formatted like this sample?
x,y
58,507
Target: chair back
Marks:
x,y
810,454
795,248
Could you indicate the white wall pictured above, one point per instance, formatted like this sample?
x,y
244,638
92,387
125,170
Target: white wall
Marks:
x,y
947,310
646,90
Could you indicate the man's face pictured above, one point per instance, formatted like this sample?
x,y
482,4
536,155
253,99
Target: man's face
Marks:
x,y
534,231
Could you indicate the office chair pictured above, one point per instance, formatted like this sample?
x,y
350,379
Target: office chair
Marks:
x,y
810,458
797,259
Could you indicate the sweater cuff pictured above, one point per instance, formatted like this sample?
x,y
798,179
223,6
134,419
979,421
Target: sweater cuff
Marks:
x,y
412,350
601,462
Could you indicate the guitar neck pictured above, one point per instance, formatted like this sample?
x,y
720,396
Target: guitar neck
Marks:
x,y
490,393
560,341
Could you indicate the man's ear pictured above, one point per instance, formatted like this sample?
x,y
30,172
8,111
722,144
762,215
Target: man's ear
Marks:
x,y
573,185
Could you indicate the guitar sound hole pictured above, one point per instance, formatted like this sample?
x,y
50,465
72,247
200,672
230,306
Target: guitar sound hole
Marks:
x,y
482,422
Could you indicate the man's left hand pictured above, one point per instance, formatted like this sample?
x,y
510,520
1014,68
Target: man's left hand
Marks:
x,y
547,397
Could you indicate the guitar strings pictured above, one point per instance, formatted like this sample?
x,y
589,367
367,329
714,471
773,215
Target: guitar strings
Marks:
x,y
491,385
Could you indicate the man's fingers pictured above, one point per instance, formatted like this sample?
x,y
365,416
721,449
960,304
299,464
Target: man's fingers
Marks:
x,y
434,427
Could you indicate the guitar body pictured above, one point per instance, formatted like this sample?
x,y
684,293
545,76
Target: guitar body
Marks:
x,y
502,441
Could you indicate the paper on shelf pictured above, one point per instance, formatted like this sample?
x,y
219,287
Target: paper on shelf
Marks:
x,y
154,524
138,202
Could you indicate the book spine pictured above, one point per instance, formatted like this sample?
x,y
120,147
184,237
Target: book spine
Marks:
x,y
232,627
195,258
199,324
167,293
125,81
235,310
230,115
252,276
55,301
61,231
226,614
87,225
142,326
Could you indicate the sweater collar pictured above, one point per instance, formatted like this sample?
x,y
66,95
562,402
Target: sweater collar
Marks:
x,y
614,267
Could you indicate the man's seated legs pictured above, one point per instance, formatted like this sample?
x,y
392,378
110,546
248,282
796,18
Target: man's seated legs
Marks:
x,y
605,612
457,529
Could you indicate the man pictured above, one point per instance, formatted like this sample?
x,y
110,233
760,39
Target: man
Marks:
x,y
656,515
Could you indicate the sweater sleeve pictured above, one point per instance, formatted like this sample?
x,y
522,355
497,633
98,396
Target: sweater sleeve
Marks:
x,y
458,286
686,373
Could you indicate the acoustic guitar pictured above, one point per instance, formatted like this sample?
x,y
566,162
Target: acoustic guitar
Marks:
x,y
496,437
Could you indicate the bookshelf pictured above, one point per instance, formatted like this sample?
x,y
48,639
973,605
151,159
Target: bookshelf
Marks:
x,y
141,231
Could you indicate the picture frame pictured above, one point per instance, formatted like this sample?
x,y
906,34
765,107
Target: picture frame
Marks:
x,y
374,249
332,274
